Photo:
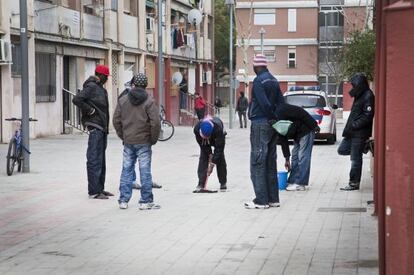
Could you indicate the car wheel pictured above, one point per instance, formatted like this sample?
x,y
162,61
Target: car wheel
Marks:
x,y
331,139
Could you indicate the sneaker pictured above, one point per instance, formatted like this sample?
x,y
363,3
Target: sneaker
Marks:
x,y
136,185
123,205
295,187
198,188
154,185
252,205
99,196
350,187
148,206
274,204
108,194
223,187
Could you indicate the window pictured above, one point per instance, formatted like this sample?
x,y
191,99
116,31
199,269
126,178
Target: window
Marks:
x,y
331,16
268,51
114,5
93,7
16,67
127,6
45,77
306,100
291,58
264,16
292,20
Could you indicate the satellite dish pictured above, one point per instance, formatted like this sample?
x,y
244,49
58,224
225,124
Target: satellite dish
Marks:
x,y
177,78
195,17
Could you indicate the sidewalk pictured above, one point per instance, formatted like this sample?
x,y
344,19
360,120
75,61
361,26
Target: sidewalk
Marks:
x,y
48,224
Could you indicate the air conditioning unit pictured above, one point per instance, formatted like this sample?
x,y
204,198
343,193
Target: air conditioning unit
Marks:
x,y
5,52
150,24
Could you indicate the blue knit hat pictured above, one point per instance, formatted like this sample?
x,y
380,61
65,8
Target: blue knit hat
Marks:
x,y
206,128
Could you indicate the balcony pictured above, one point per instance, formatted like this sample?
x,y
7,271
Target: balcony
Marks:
x,y
331,34
131,35
92,27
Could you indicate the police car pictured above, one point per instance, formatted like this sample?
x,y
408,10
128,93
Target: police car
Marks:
x,y
315,102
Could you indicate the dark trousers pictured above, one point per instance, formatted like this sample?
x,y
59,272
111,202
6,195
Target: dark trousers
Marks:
x,y
353,147
203,165
263,171
242,115
200,113
95,164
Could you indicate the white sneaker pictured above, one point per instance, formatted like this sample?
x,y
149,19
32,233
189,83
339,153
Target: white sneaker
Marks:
x,y
123,205
296,187
136,185
274,204
252,205
148,206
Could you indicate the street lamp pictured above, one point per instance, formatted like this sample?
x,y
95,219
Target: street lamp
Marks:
x,y
230,4
262,32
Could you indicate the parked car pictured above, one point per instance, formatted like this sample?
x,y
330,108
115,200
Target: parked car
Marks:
x,y
315,102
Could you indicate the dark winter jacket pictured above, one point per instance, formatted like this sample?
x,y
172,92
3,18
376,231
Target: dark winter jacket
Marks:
x,y
216,140
93,102
137,118
242,104
303,124
266,96
359,123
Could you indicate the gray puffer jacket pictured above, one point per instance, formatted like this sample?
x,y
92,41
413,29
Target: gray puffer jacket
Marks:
x,y
136,118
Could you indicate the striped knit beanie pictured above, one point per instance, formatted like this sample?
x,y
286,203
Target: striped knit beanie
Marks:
x,y
260,61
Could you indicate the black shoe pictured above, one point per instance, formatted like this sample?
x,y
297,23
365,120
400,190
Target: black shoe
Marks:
x,y
349,188
154,185
99,196
223,187
106,193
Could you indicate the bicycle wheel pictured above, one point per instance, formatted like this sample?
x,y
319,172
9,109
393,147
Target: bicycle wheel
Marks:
x,y
167,130
11,157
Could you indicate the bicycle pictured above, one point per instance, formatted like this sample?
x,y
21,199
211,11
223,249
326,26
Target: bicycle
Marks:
x,y
167,128
16,147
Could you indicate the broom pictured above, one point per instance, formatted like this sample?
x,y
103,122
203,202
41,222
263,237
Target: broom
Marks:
x,y
204,189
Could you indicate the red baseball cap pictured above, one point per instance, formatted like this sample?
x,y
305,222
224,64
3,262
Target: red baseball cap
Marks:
x,y
102,69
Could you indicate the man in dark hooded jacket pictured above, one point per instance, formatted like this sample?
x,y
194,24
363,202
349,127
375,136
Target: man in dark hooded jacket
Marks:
x,y
93,102
137,123
358,128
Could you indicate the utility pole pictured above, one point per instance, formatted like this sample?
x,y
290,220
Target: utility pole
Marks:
x,y
230,4
160,56
25,85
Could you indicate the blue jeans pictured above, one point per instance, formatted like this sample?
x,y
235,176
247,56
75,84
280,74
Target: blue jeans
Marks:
x,y
353,147
263,171
301,160
143,153
95,164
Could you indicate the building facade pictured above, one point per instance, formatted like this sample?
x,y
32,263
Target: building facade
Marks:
x,y
67,38
290,40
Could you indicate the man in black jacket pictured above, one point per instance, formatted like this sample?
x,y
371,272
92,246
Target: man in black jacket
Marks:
x,y
93,102
241,108
302,131
358,128
209,133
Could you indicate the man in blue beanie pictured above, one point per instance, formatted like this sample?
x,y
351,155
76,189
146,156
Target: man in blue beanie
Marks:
x,y
209,133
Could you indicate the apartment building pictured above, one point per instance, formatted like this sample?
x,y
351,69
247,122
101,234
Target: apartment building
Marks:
x,y
290,40
67,38
337,20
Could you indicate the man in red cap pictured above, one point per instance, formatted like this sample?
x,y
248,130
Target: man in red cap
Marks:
x,y
93,102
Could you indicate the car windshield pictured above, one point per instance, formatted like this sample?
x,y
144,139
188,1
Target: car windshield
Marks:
x,y
306,101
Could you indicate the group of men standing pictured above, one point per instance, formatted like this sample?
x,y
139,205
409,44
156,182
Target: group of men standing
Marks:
x,y
137,123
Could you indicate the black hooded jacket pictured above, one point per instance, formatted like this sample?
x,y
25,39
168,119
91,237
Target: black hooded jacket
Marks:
x,y
93,102
216,140
360,120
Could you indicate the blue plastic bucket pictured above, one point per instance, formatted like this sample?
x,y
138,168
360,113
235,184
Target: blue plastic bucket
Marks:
x,y
282,180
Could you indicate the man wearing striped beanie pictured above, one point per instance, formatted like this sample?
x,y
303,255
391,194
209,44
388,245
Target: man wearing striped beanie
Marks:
x,y
266,97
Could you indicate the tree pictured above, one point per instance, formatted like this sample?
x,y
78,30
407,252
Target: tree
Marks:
x,y
222,36
359,54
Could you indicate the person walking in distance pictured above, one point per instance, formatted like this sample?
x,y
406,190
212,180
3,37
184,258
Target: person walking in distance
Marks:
x,y
266,98
241,108
93,102
137,123
210,133
217,105
358,128
199,106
